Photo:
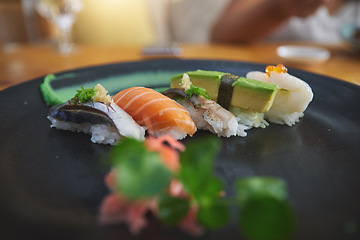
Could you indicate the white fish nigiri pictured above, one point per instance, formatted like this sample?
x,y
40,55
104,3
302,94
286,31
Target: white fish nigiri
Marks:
x,y
100,117
291,100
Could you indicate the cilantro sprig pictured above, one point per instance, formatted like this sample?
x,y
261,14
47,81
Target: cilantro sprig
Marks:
x,y
265,213
195,90
139,173
84,95
172,209
263,210
197,176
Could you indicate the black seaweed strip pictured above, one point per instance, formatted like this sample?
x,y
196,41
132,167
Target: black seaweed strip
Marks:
x,y
226,90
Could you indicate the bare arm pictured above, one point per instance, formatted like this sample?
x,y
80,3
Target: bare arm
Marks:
x,y
251,20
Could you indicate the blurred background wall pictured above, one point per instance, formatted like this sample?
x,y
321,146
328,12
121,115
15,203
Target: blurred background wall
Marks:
x,y
99,22
12,22
114,22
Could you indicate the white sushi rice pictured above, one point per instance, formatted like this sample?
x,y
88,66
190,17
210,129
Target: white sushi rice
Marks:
x,y
240,131
249,118
289,119
100,133
176,132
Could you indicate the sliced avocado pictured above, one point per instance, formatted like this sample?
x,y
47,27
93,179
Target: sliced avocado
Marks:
x,y
234,91
253,94
210,80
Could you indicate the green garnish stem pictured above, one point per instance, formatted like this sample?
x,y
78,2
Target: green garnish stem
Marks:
x,y
195,90
84,95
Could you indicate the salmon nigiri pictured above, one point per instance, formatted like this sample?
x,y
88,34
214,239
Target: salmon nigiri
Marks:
x,y
158,113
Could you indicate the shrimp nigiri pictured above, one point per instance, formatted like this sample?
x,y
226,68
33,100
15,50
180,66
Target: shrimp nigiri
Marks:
x,y
206,113
158,113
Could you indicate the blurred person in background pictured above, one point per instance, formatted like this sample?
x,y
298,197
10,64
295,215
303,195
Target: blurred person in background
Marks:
x,y
243,21
145,22
304,20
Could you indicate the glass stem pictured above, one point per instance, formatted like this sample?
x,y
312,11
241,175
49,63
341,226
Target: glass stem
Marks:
x,y
65,24
65,40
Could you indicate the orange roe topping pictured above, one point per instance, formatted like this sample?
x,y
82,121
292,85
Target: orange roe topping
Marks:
x,y
279,69
269,69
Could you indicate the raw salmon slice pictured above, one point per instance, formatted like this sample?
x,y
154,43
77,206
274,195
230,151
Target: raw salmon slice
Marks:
x,y
158,113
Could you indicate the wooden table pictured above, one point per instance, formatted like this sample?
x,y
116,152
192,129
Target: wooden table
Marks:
x,y
19,63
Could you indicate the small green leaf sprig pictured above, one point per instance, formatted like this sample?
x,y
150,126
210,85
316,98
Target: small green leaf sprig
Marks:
x,y
139,173
195,90
84,95
264,212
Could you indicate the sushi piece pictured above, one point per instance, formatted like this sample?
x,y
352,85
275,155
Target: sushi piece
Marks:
x,y
158,113
231,90
105,121
247,99
291,100
206,113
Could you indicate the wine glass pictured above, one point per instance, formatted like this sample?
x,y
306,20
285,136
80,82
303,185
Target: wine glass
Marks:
x,y
62,13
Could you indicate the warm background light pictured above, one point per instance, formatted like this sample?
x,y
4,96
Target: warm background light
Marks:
x,y
114,22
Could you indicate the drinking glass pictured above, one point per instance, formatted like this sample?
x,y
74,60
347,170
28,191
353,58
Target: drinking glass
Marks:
x,y
61,13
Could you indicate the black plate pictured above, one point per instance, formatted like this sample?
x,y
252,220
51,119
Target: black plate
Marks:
x,y
51,182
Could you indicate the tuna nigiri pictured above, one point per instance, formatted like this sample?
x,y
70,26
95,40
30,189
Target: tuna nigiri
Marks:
x,y
158,113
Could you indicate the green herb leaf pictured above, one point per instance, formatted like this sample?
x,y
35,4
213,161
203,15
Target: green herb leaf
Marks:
x,y
172,209
265,214
213,215
210,188
195,90
250,187
84,95
198,178
197,163
139,173
267,218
